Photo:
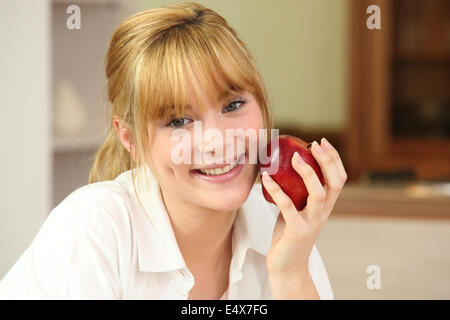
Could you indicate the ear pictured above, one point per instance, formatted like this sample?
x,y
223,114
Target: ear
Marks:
x,y
124,134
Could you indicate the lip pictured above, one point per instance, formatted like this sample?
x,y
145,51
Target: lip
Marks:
x,y
223,177
219,165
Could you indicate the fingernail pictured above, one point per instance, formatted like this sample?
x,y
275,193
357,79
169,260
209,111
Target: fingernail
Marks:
x,y
266,176
298,158
319,150
325,143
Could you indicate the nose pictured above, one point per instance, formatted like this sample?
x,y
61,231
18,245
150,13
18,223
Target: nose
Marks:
x,y
211,137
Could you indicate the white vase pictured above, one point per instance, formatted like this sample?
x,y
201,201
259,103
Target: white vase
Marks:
x,y
69,111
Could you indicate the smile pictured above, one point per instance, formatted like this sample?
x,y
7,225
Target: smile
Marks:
x,y
220,173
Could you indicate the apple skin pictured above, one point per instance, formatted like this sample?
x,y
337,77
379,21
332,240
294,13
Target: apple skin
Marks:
x,y
286,177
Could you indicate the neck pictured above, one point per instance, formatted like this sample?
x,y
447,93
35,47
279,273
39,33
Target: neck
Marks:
x,y
203,235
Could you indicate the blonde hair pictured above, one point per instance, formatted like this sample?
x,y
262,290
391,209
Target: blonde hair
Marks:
x,y
151,56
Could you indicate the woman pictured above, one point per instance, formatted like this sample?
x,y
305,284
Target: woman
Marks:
x,y
150,227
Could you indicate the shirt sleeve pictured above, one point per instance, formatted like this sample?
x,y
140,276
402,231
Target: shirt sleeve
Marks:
x,y
319,275
75,254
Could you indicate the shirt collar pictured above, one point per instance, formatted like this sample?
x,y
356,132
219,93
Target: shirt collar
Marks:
x,y
158,250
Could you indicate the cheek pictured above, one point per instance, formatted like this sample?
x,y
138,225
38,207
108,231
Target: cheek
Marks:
x,y
252,124
254,118
254,121
172,157
159,154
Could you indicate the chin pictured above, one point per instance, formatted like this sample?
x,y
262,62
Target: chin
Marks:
x,y
230,199
227,195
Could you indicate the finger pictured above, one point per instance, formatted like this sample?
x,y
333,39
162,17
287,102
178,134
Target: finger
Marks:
x,y
287,207
338,161
328,167
333,181
316,191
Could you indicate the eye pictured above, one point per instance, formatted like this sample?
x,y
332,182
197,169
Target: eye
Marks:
x,y
234,105
179,122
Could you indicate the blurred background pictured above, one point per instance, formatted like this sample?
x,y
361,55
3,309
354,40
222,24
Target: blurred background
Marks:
x,y
381,96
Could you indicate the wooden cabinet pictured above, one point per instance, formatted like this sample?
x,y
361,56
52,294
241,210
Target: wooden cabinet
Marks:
x,y
399,116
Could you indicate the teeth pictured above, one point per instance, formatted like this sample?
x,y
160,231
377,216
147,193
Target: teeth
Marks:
x,y
219,171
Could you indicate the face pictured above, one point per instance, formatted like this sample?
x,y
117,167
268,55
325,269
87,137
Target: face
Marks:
x,y
217,149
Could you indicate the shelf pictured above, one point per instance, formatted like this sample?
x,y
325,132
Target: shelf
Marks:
x,y
78,58
419,200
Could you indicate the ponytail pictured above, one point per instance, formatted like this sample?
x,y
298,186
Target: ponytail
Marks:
x,y
111,159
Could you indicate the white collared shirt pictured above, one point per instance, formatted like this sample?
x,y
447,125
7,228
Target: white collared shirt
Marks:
x,y
99,243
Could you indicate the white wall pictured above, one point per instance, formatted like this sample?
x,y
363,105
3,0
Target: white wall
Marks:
x,y
25,162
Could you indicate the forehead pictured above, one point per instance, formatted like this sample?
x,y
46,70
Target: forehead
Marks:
x,y
199,99
181,82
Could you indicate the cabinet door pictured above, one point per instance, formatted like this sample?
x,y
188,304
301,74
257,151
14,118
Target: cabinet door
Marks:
x,y
400,102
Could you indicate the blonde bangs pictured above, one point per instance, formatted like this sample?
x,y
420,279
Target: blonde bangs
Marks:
x,y
184,60
159,61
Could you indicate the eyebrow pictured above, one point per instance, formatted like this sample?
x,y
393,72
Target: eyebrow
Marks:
x,y
225,94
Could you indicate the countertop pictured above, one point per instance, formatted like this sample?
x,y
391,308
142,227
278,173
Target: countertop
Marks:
x,y
419,199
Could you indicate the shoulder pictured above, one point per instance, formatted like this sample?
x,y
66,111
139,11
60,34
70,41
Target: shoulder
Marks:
x,y
81,250
94,213
107,197
94,193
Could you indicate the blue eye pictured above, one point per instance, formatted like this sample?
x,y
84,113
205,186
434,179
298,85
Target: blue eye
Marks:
x,y
179,122
235,105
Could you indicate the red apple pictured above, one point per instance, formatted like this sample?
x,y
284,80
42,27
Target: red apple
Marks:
x,y
286,177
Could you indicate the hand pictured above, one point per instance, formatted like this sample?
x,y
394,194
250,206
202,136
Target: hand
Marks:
x,y
296,231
